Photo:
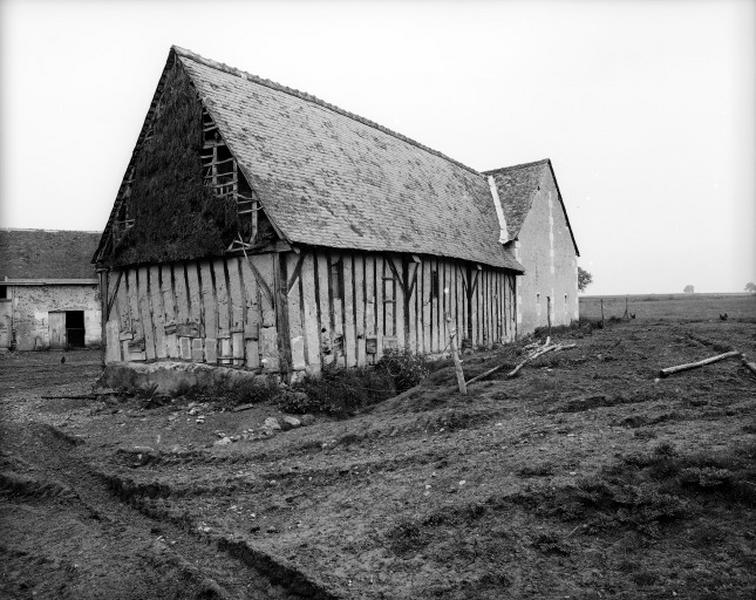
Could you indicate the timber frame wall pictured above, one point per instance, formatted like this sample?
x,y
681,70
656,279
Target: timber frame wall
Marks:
x,y
337,307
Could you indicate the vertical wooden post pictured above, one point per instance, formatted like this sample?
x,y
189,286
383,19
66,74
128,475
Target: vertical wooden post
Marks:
x,y
602,312
627,313
281,305
455,352
104,276
548,313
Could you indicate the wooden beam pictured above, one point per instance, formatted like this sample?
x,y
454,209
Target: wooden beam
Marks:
x,y
411,287
295,273
113,296
751,366
694,365
394,270
475,281
282,314
258,276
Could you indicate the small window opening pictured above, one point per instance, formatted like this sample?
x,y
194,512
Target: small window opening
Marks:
x,y
337,279
3,292
434,284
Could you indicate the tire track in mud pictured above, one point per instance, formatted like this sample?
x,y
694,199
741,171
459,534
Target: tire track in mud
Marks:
x,y
43,470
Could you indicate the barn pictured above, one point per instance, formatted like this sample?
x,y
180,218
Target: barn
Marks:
x,y
49,295
260,227
541,237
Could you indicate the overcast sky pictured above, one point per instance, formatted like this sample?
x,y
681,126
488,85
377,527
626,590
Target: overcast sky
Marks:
x,y
645,108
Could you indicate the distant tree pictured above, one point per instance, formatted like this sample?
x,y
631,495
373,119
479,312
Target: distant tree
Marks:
x,y
584,279
750,287
689,289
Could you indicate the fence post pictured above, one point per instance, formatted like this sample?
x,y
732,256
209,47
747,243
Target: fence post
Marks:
x,y
455,352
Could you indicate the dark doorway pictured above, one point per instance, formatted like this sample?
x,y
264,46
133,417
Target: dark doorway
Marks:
x,y
75,328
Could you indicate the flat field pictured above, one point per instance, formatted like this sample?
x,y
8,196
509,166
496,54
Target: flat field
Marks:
x,y
676,307
584,477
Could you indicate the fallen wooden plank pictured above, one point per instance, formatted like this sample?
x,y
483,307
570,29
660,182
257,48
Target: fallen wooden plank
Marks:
x,y
751,366
486,374
543,350
81,396
694,365
516,370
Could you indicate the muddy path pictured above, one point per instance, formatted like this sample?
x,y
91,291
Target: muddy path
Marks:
x,y
65,534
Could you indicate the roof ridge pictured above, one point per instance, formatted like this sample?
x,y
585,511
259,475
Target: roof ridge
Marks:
x,y
543,161
183,52
50,230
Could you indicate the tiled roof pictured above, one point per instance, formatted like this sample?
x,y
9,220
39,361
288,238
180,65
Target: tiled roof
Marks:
x,y
326,177
46,254
517,186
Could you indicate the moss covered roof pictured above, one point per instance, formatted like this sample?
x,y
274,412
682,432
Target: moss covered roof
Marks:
x,y
326,177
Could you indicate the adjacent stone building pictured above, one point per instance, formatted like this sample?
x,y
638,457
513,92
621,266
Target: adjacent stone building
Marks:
x,y
539,231
49,296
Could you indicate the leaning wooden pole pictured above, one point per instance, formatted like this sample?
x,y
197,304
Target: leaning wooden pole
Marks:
x,y
751,366
695,365
455,354
602,312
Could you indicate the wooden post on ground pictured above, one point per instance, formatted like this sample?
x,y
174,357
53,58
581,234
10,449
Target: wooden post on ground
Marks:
x,y
455,353
602,312
694,365
626,316
751,366
548,313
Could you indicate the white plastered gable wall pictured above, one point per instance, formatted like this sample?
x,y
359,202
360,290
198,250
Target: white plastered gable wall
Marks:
x,y
545,248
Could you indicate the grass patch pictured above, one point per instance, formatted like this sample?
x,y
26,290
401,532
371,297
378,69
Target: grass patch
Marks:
x,y
643,492
230,393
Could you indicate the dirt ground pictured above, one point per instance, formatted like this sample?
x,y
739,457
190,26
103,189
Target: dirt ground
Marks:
x,y
584,477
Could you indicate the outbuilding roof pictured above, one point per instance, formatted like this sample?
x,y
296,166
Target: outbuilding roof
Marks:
x,y
47,254
517,186
326,177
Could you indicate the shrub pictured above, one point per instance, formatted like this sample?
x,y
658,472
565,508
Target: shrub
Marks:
x,y
251,391
404,367
338,392
341,392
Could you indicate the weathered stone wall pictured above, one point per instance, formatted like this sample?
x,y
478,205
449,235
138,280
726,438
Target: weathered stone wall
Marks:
x,y
546,251
31,305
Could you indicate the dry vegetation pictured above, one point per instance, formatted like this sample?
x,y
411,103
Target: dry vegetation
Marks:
x,y
585,477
